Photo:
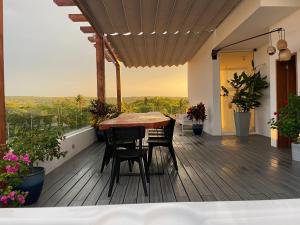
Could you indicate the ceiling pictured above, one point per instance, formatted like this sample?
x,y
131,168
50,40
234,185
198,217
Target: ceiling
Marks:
x,y
156,32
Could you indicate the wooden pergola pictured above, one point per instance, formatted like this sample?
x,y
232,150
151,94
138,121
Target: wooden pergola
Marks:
x,y
2,94
103,50
142,33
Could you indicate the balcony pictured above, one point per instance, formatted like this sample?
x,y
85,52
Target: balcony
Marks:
x,y
210,169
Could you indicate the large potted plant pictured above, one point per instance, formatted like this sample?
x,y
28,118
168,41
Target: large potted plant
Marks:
x,y
102,111
40,145
288,124
13,168
247,93
198,115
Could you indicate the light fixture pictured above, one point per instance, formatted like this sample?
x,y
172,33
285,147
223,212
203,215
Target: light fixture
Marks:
x,y
284,53
271,50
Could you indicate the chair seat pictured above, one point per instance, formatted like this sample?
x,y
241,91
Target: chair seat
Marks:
x,y
131,153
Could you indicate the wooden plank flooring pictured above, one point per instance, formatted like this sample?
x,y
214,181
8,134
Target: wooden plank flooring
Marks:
x,y
210,169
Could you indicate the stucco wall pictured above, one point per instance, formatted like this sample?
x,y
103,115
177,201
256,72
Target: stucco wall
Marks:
x,y
74,143
262,114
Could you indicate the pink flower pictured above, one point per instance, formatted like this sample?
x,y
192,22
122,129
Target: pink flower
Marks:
x,y
12,195
12,169
10,156
21,199
25,159
4,199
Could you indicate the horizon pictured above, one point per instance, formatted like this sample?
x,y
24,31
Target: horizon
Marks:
x,y
53,64
71,96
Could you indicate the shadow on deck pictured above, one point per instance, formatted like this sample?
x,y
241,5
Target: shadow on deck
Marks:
x,y
210,169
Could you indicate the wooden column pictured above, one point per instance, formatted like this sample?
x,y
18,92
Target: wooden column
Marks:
x,y
118,79
100,68
2,95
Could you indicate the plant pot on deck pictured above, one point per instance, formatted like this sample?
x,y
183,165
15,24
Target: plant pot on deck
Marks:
x,y
296,152
242,123
197,129
33,183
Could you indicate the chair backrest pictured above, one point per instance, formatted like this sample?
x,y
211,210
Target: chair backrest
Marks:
x,y
169,129
120,135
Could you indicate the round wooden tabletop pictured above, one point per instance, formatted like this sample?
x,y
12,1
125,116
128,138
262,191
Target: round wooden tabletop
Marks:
x,y
150,120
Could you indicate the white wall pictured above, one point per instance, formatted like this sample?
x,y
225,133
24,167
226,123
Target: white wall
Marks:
x,y
204,73
75,142
200,82
262,114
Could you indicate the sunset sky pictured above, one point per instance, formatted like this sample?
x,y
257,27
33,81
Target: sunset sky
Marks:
x,y
47,55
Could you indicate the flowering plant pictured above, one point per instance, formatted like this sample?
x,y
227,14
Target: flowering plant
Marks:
x,y
12,168
197,112
288,119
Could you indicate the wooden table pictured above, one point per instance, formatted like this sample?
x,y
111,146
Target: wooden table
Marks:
x,y
150,120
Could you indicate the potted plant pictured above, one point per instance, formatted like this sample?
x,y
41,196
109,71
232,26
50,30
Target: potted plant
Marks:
x,y
40,145
247,92
288,123
198,115
102,111
13,168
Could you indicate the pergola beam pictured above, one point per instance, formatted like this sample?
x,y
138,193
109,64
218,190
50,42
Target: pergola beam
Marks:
x,y
77,18
111,52
64,2
100,68
87,29
92,39
118,79
2,94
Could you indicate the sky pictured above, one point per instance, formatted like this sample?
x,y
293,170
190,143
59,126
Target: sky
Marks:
x,y
47,55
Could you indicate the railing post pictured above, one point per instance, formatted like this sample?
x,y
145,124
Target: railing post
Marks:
x,y
2,94
100,60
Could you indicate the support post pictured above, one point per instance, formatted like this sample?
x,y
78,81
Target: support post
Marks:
x,y
100,60
118,79
2,94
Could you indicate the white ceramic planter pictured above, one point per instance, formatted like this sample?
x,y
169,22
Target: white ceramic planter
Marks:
x,y
296,152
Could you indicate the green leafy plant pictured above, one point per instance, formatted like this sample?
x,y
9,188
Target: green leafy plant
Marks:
x,y
248,90
40,144
197,113
102,111
288,119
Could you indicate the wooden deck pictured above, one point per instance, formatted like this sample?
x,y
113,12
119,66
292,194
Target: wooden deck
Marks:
x,y
210,169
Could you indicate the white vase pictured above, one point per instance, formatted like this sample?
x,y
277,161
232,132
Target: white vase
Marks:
x,y
296,152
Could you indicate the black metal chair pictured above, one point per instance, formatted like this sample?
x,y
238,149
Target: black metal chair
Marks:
x,y
109,149
166,140
136,152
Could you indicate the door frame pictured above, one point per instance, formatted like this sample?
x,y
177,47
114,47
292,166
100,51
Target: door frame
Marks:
x,y
283,142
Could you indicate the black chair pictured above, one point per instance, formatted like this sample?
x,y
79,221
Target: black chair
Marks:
x,y
165,141
109,149
136,152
